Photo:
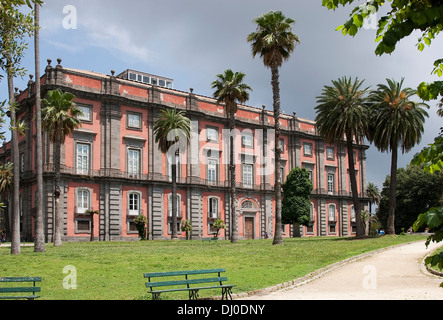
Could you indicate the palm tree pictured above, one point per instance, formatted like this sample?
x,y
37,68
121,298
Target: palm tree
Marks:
x,y
397,122
342,113
59,119
230,89
172,132
39,241
274,42
373,194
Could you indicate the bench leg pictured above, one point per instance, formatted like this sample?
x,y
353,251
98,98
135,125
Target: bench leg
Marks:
x,y
156,296
193,294
226,293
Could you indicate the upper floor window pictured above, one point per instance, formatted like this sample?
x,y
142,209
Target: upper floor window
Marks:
x,y
247,175
307,149
134,120
212,170
330,153
331,182
212,134
247,139
86,112
83,158
133,161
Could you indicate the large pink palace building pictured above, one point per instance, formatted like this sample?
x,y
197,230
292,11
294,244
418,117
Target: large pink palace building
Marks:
x,y
112,163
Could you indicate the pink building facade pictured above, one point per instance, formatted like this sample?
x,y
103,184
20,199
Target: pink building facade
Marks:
x,y
112,163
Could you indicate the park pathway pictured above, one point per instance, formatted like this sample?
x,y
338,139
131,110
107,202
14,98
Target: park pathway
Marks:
x,y
396,273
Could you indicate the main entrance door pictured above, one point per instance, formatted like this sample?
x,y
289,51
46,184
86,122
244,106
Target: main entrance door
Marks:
x,y
249,228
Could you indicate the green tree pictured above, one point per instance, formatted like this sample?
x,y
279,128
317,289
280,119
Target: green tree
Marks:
x,y
399,22
274,42
417,190
373,194
230,90
172,133
342,113
14,28
296,203
398,122
59,119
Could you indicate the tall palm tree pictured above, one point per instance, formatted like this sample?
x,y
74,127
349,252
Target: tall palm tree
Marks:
x,y
342,113
274,41
39,241
230,89
172,130
59,119
397,122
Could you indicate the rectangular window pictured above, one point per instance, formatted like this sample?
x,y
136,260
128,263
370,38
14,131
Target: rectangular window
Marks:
x,y
213,207
83,158
134,120
247,175
146,79
132,76
86,112
282,174
330,183
161,83
133,162
307,149
82,201
281,145
134,204
211,134
170,205
212,170
331,212
330,153
247,139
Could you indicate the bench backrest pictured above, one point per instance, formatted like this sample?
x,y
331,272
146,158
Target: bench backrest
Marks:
x,y
185,281
31,289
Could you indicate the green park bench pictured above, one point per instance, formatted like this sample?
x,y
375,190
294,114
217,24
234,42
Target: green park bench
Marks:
x,y
189,283
19,292
211,239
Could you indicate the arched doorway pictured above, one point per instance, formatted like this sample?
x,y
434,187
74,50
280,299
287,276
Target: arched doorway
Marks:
x,y
249,210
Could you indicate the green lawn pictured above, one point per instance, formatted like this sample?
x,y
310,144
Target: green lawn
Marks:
x,y
114,270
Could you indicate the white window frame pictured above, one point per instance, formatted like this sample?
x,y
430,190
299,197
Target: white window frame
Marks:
x,y
133,161
82,200
135,203
332,212
179,198
247,139
83,159
330,153
211,134
213,207
85,116
212,170
248,175
307,149
130,120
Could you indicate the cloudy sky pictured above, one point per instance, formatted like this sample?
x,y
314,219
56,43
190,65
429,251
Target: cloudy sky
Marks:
x,y
193,40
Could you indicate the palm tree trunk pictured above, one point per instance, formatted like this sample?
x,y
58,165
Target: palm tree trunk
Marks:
x,y
174,197
57,211
39,241
352,176
234,220
15,236
278,234
390,226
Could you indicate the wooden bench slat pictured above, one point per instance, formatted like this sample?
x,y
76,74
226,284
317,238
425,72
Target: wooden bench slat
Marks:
x,y
19,289
180,273
184,282
20,279
195,288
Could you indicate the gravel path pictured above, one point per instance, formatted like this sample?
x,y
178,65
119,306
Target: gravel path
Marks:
x,y
396,273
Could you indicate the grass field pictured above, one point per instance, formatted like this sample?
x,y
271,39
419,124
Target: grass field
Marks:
x,y
114,270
